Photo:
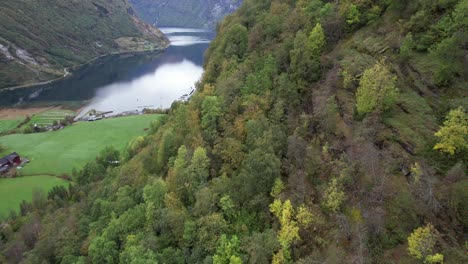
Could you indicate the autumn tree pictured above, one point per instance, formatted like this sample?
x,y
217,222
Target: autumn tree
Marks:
x,y
454,134
278,187
377,89
421,244
334,196
289,232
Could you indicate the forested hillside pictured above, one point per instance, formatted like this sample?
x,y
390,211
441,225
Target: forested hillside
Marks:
x,y
38,39
321,132
185,13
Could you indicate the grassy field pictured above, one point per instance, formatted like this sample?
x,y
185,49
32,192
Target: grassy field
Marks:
x,y
7,125
14,191
48,117
60,151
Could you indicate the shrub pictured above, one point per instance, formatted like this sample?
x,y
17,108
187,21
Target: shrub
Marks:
x,y
353,15
407,46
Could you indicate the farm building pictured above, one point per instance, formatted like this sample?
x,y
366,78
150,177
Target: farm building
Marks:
x,y
9,161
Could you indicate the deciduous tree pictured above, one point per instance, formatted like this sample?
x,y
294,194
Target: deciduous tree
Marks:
x,y
236,41
334,196
421,244
228,251
454,134
377,89
199,168
317,40
289,232
304,65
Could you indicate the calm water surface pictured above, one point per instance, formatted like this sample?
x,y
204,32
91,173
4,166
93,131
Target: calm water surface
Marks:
x,y
128,82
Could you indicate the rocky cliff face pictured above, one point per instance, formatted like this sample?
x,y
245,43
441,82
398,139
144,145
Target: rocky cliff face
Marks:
x,y
38,39
184,13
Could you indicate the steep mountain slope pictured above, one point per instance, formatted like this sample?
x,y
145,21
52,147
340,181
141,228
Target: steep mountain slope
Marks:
x,y
40,38
321,132
184,13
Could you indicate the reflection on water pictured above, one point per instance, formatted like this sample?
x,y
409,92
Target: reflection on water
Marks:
x,y
128,82
187,36
172,30
155,90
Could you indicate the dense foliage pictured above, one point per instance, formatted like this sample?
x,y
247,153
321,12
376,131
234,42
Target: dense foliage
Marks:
x,y
274,159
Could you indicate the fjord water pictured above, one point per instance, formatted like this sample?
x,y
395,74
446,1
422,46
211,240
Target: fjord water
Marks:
x,y
128,82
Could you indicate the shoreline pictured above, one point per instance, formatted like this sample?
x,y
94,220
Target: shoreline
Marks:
x,y
68,72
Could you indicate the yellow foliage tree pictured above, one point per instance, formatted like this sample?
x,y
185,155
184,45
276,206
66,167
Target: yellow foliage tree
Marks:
x,y
317,40
334,196
454,134
278,187
304,217
289,232
421,245
417,172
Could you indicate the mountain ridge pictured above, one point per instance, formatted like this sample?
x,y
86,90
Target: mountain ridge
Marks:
x,y
37,43
185,13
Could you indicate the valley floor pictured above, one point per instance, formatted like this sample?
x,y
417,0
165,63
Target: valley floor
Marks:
x,y
57,153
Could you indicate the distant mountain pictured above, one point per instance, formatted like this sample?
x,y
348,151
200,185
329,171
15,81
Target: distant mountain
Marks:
x,y
184,13
38,39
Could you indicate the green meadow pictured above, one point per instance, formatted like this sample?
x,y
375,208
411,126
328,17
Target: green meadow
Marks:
x,y
14,191
48,117
58,152
9,124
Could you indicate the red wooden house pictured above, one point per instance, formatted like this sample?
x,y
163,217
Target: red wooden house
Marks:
x,y
10,161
